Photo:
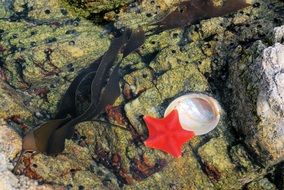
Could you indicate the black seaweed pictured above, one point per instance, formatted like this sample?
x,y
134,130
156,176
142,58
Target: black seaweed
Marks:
x,y
98,84
192,12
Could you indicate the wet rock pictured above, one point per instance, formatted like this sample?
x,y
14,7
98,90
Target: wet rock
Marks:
x,y
43,46
11,142
261,94
187,79
11,145
279,34
73,166
138,167
40,45
221,169
269,104
262,184
109,149
178,174
98,5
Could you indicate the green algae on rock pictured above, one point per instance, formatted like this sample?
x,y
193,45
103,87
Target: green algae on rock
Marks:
x,y
222,170
261,184
149,102
258,93
98,6
97,84
115,157
50,50
10,143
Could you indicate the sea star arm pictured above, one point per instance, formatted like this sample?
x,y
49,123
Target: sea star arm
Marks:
x,y
166,134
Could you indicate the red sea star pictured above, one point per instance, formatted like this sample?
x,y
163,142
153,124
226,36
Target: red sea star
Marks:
x,y
166,134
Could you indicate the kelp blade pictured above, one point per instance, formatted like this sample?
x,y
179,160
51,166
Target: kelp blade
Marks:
x,y
97,84
83,93
67,103
37,139
110,92
56,142
192,12
229,6
136,39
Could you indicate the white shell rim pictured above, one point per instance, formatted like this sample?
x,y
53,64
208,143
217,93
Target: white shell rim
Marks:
x,y
211,101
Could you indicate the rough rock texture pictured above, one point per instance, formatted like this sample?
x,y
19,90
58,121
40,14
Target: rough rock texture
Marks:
x,y
98,6
279,34
262,100
270,103
43,45
40,42
10,146
262,184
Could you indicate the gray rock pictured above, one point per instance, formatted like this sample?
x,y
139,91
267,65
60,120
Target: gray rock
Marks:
x,y
258,101
220,165
279,34
262,184
270,102
169,64
10,146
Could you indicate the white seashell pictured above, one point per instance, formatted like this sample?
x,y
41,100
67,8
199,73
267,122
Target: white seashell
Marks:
x,y
197,112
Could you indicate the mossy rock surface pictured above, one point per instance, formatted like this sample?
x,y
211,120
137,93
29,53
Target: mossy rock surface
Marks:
x,y
98,6
45,44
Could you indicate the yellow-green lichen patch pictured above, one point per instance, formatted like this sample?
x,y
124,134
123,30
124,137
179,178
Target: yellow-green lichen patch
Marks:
x,y
87,180
186,79
98,5
182,173
220,161
140,80
108,145
10,103
205,66
213,26
159,42
69,168
146,103
223,166
170,58
261,184
44,9
10,141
